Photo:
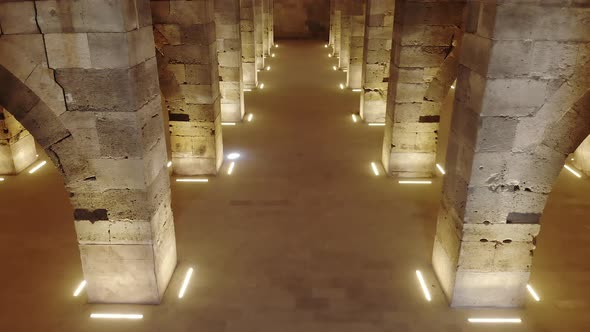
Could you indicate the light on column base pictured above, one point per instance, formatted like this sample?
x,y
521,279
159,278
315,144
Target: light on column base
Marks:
x,y
80,288
192,180
374,168
341,86
261,86
267,68
423,285
330,55
335,68
36,168
116,316
571,170
414,182
250,116
273,55
230,170
169,164
495,320
228,123
376,124
533,293
357,90
326,46
187,278
440,169
1,179
354,118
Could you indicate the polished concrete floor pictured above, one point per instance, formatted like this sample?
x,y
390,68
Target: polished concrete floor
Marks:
x,y
301,237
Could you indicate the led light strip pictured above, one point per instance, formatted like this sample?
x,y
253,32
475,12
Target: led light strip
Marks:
x,y
376,124
36,168
375,169
192,180
231,168
357,90
533,293
228,123
187,278
250,116
116,316
494,320
261,86
354,118
574,172
326,46
169,164
80,288
2,179
440,169
247,90
267,68
415,182
341,86
334,67
273,55
423,285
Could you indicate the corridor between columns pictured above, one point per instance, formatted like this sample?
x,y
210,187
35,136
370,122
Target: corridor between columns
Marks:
x,y
302,236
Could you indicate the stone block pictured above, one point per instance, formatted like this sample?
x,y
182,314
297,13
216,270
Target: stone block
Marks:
x,y
107,232
513,97
21,54
510,58
489,289
68,50
120,273
496,134
18,17
412,164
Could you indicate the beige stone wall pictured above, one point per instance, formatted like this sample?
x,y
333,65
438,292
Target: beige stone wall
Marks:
x,y
302,19
357,38
249,72
521,106
186,39
17,146
81,76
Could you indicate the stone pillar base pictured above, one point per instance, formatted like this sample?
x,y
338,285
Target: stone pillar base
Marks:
x,y
412,164
190,166
353,77
250,75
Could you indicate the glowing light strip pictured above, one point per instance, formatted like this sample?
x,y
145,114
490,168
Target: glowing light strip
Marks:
x,y
247,90
267,68
494,320
533,293
233,156
261,86
440,169
334,67
572,171
376,124
169,164
231,168
192,180
36,168
228,123
326,46
375,169
80,288
341,86
330,55
250,116
357,90
277,45
415,182
423,285
117,316
273,55
187,278
1,179
354,118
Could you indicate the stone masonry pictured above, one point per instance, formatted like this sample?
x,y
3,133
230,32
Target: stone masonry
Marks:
x,y
345,34
357,36
423,38
249,72
17,146
376,59
259,33
185,36
521,106
81,76
336,31
229,54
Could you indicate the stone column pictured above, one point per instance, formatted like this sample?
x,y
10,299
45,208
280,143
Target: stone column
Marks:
x,y
249,72
332,22
357,36
229,54
376,59
270,23
17,146
109,143
521,106
259,33
345,35
187,59
423,38
337,26
266,27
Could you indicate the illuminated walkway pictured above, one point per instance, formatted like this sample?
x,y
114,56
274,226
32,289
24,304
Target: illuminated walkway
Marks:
x,y
301,237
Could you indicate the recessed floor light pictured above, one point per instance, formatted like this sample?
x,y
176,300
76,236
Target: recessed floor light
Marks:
x,y
233,156
415,182
277,45
116,316
169,164
440,169
261,86
495,320
423,285
354,118
357,90
192,180
247,90
250,117
1,179
330,55
187,278
267,68
80,288
341,86
228,123
571,170
326,46
533,293
374,168
36,168
273,55
376,124
231,168
334,68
